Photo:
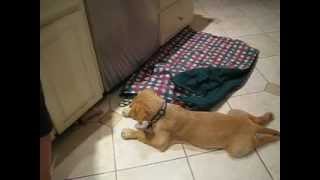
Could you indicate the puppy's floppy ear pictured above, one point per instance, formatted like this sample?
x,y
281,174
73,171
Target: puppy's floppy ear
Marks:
x,y
141,111
133,101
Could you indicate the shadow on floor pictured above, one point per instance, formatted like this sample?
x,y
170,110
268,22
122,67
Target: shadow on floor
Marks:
x,y
74,150
200,22
67,142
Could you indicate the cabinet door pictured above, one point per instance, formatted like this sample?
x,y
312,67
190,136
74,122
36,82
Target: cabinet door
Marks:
x,y
68,69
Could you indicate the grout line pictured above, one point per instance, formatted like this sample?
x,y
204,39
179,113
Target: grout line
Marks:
x,y
245,35
273,31
96,174
187,158
201,153
228,104
255,34
265,166
149,164
114,156
270,32
268,57
257,92
261,74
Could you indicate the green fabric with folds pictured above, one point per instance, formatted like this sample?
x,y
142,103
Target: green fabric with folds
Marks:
x,y
207,87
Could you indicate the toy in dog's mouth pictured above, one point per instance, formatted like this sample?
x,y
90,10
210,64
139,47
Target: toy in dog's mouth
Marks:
x,y
142,125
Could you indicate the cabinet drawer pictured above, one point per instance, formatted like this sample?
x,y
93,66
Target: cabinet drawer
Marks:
x,y
173,19
166,3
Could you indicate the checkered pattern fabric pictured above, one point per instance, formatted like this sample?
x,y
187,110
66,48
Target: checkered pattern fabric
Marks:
x,y
186,51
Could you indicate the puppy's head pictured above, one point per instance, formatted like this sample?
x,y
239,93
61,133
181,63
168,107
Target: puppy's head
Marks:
x,y
144,106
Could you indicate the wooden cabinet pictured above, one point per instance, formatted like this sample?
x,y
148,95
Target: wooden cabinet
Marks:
x,y
166,3
68,68
174,16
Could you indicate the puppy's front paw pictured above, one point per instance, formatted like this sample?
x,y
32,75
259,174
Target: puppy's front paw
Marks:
x,y
128,134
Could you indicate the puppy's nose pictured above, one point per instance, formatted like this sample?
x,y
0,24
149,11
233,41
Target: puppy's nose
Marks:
x,y
125,111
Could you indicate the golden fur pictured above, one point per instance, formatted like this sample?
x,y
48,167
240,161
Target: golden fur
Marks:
x,y
238,132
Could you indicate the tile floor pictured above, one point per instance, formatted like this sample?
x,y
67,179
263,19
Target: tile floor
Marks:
x,y
96,151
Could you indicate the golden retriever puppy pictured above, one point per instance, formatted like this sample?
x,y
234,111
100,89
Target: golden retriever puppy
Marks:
x,y
161,125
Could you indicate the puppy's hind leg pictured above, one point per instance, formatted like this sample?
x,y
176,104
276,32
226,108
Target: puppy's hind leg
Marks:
x,y
262,139
240,147
261,120
264,119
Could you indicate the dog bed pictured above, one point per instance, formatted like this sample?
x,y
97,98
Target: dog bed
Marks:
x,y
188,50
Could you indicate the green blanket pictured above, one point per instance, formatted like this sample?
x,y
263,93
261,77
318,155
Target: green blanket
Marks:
x,y
206,87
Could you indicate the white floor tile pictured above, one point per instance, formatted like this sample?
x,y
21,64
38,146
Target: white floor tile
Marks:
x,y
275,36
267,23
219,165
267,46
107,176
240,26
273,88
232,21
198,9
173,170
215,29
270,68
273,5
255,9
258,104
270,154
88,150
255,83
224,13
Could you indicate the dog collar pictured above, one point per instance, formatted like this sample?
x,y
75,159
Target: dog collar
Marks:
x,y
159,114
